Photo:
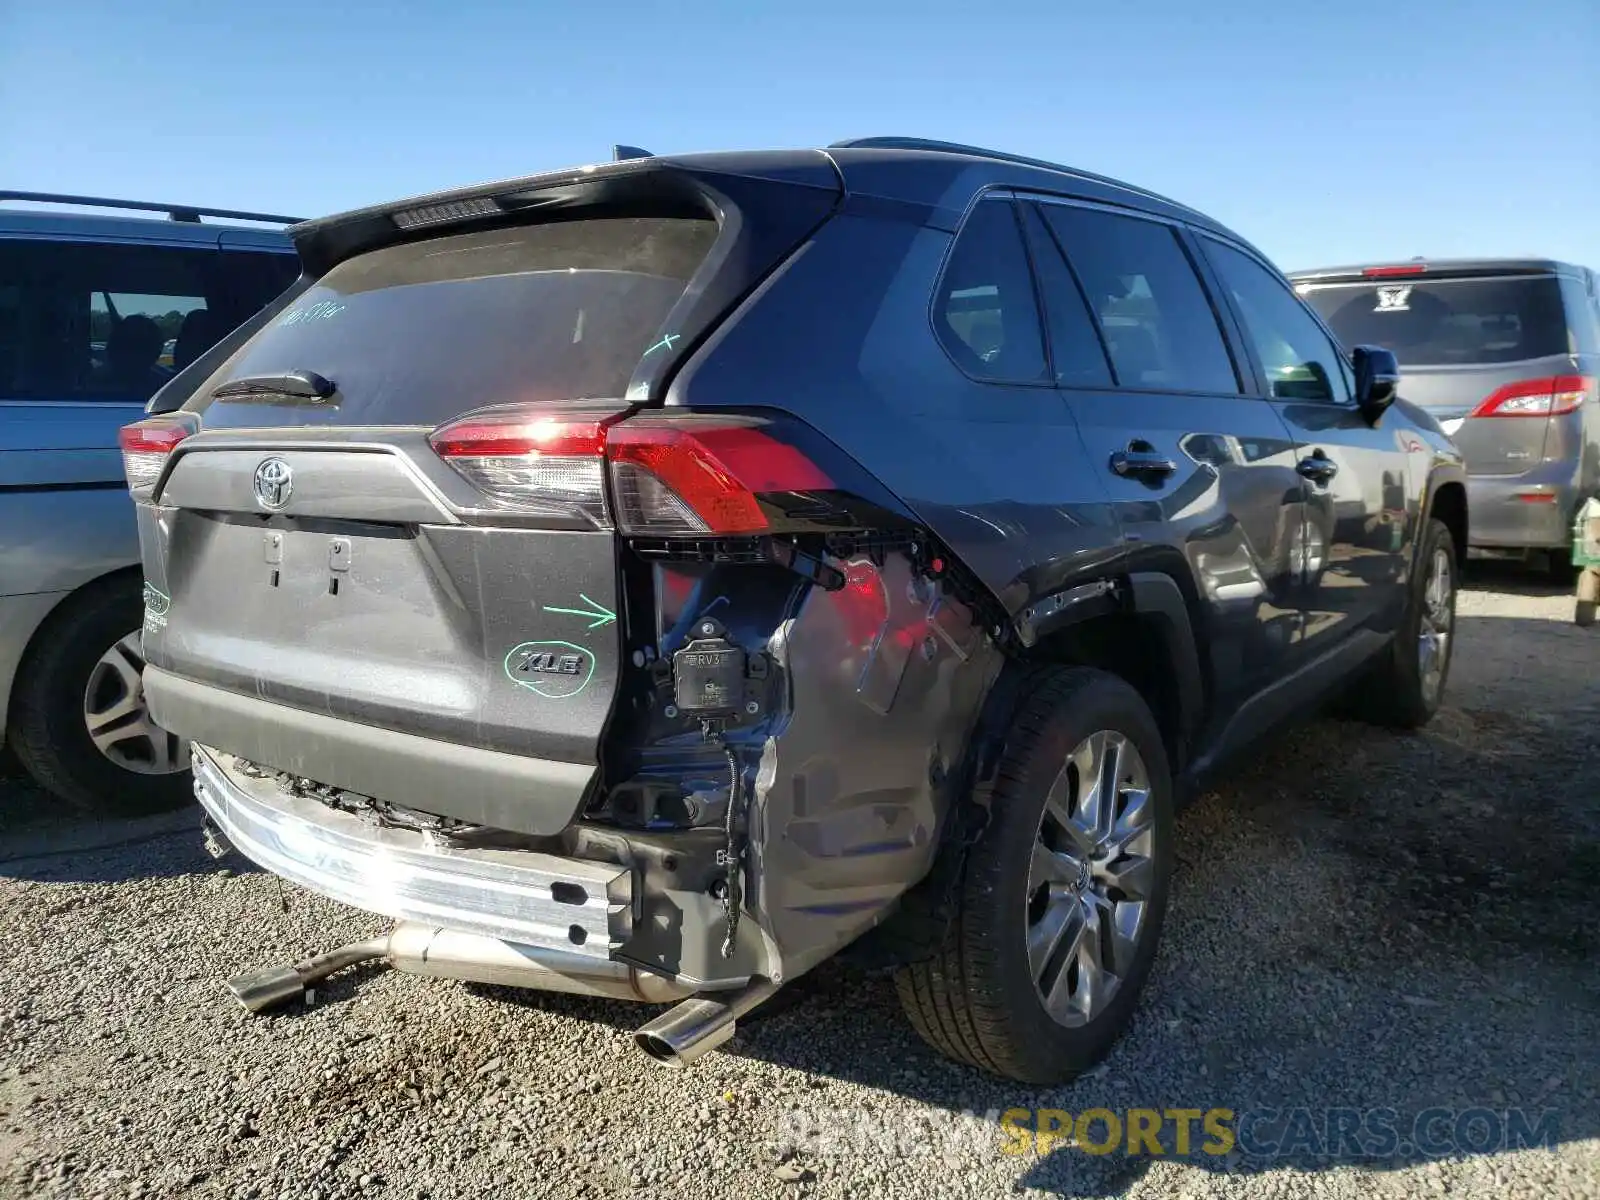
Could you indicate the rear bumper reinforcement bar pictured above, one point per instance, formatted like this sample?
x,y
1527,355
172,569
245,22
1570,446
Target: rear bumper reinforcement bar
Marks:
x,y
582,908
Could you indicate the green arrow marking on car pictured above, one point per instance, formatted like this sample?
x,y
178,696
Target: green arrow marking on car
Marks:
x,y
597,613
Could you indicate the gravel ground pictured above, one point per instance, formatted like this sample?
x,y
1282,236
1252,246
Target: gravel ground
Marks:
x,y
1360,920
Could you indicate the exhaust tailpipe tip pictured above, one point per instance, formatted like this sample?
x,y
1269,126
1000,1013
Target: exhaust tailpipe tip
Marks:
x,y
265,990
699,1025
276,986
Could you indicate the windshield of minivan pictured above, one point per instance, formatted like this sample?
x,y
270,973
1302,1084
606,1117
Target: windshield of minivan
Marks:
x,y
1440,321
420,332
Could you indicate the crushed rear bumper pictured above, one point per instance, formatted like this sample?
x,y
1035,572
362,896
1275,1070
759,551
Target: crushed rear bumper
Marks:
x,y
516,792
575,906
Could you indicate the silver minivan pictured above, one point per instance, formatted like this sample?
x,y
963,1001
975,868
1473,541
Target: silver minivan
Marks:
x,y
101,303
1505,354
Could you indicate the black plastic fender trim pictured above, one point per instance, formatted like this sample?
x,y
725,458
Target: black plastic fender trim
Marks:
x,y
1158,596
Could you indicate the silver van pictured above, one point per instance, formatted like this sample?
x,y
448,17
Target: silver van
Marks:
x,y
1505,354
101,303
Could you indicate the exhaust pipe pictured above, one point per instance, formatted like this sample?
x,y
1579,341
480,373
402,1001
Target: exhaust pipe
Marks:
x,y
699,1024
277,986
427,950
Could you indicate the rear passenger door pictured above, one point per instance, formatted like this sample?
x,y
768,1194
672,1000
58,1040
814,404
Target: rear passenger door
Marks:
x,y
1359,527
1202,476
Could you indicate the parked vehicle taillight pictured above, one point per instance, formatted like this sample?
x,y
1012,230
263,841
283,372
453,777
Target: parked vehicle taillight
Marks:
x,y
1549,397
146,445
530,461
683,475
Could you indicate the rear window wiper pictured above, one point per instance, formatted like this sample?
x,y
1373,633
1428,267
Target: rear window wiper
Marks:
x,y
307,385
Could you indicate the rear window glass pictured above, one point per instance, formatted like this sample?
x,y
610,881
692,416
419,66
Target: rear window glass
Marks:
x,y
418,333
1437,322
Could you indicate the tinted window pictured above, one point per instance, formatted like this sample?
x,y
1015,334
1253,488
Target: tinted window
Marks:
x,y
1429,321
1153,313
1076,353
986,313
1300,362
420,332
87,321
1581,315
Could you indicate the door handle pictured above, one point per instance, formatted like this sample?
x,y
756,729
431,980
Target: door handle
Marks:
x,y
1142,460
1317,467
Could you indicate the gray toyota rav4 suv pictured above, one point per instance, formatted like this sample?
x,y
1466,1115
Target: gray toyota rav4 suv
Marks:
x,y
650,579
1505,354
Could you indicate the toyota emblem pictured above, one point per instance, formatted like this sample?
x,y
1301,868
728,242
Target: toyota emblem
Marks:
x,y
274,483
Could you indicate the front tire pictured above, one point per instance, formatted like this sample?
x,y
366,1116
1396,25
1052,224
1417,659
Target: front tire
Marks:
x,y
78,719
1406,686
1063,899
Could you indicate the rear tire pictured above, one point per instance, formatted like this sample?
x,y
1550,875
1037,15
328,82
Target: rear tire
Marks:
x,y
1402,690
81,661
982,998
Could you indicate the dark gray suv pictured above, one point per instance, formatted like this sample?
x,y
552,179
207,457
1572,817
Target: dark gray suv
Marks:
x,y
651,579
1505,354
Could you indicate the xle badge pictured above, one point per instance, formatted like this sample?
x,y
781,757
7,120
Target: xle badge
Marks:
x,y
554,670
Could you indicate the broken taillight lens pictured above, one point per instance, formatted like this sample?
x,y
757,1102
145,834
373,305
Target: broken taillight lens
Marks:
x,y
145,447
1549,397
672,475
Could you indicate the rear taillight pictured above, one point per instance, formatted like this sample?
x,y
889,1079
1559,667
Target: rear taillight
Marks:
x,y
1548,397
145,447
671,475
682,477
537,463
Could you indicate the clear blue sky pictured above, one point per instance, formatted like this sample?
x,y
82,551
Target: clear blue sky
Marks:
x,y
1322,131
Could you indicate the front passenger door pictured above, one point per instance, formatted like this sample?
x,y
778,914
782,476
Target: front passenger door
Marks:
x,y
1358,529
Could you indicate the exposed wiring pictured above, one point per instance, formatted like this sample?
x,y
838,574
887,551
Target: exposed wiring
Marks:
x,y
733,852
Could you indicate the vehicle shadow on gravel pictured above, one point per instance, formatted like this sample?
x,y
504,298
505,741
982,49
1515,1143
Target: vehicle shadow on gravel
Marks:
x,y
38,842
1399,927
1511,579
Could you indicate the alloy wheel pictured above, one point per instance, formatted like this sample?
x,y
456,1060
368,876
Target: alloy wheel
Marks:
x,y
1090,878
118,721
1437,625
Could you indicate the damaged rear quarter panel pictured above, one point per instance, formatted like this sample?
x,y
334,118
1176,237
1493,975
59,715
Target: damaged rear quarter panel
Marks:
x,y
885,678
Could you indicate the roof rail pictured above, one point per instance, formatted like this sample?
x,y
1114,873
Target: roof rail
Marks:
x,y
188,213
929,144
937,147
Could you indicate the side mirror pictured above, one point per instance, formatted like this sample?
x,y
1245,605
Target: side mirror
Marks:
x,y
1377,379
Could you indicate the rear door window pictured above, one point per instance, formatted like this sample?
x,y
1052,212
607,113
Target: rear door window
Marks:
x,y
113,322
986,313
1429,320
1157,323
416,333
1077,355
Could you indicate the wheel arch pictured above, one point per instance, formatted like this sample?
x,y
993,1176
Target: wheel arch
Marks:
x,y
1143,630
1447,500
